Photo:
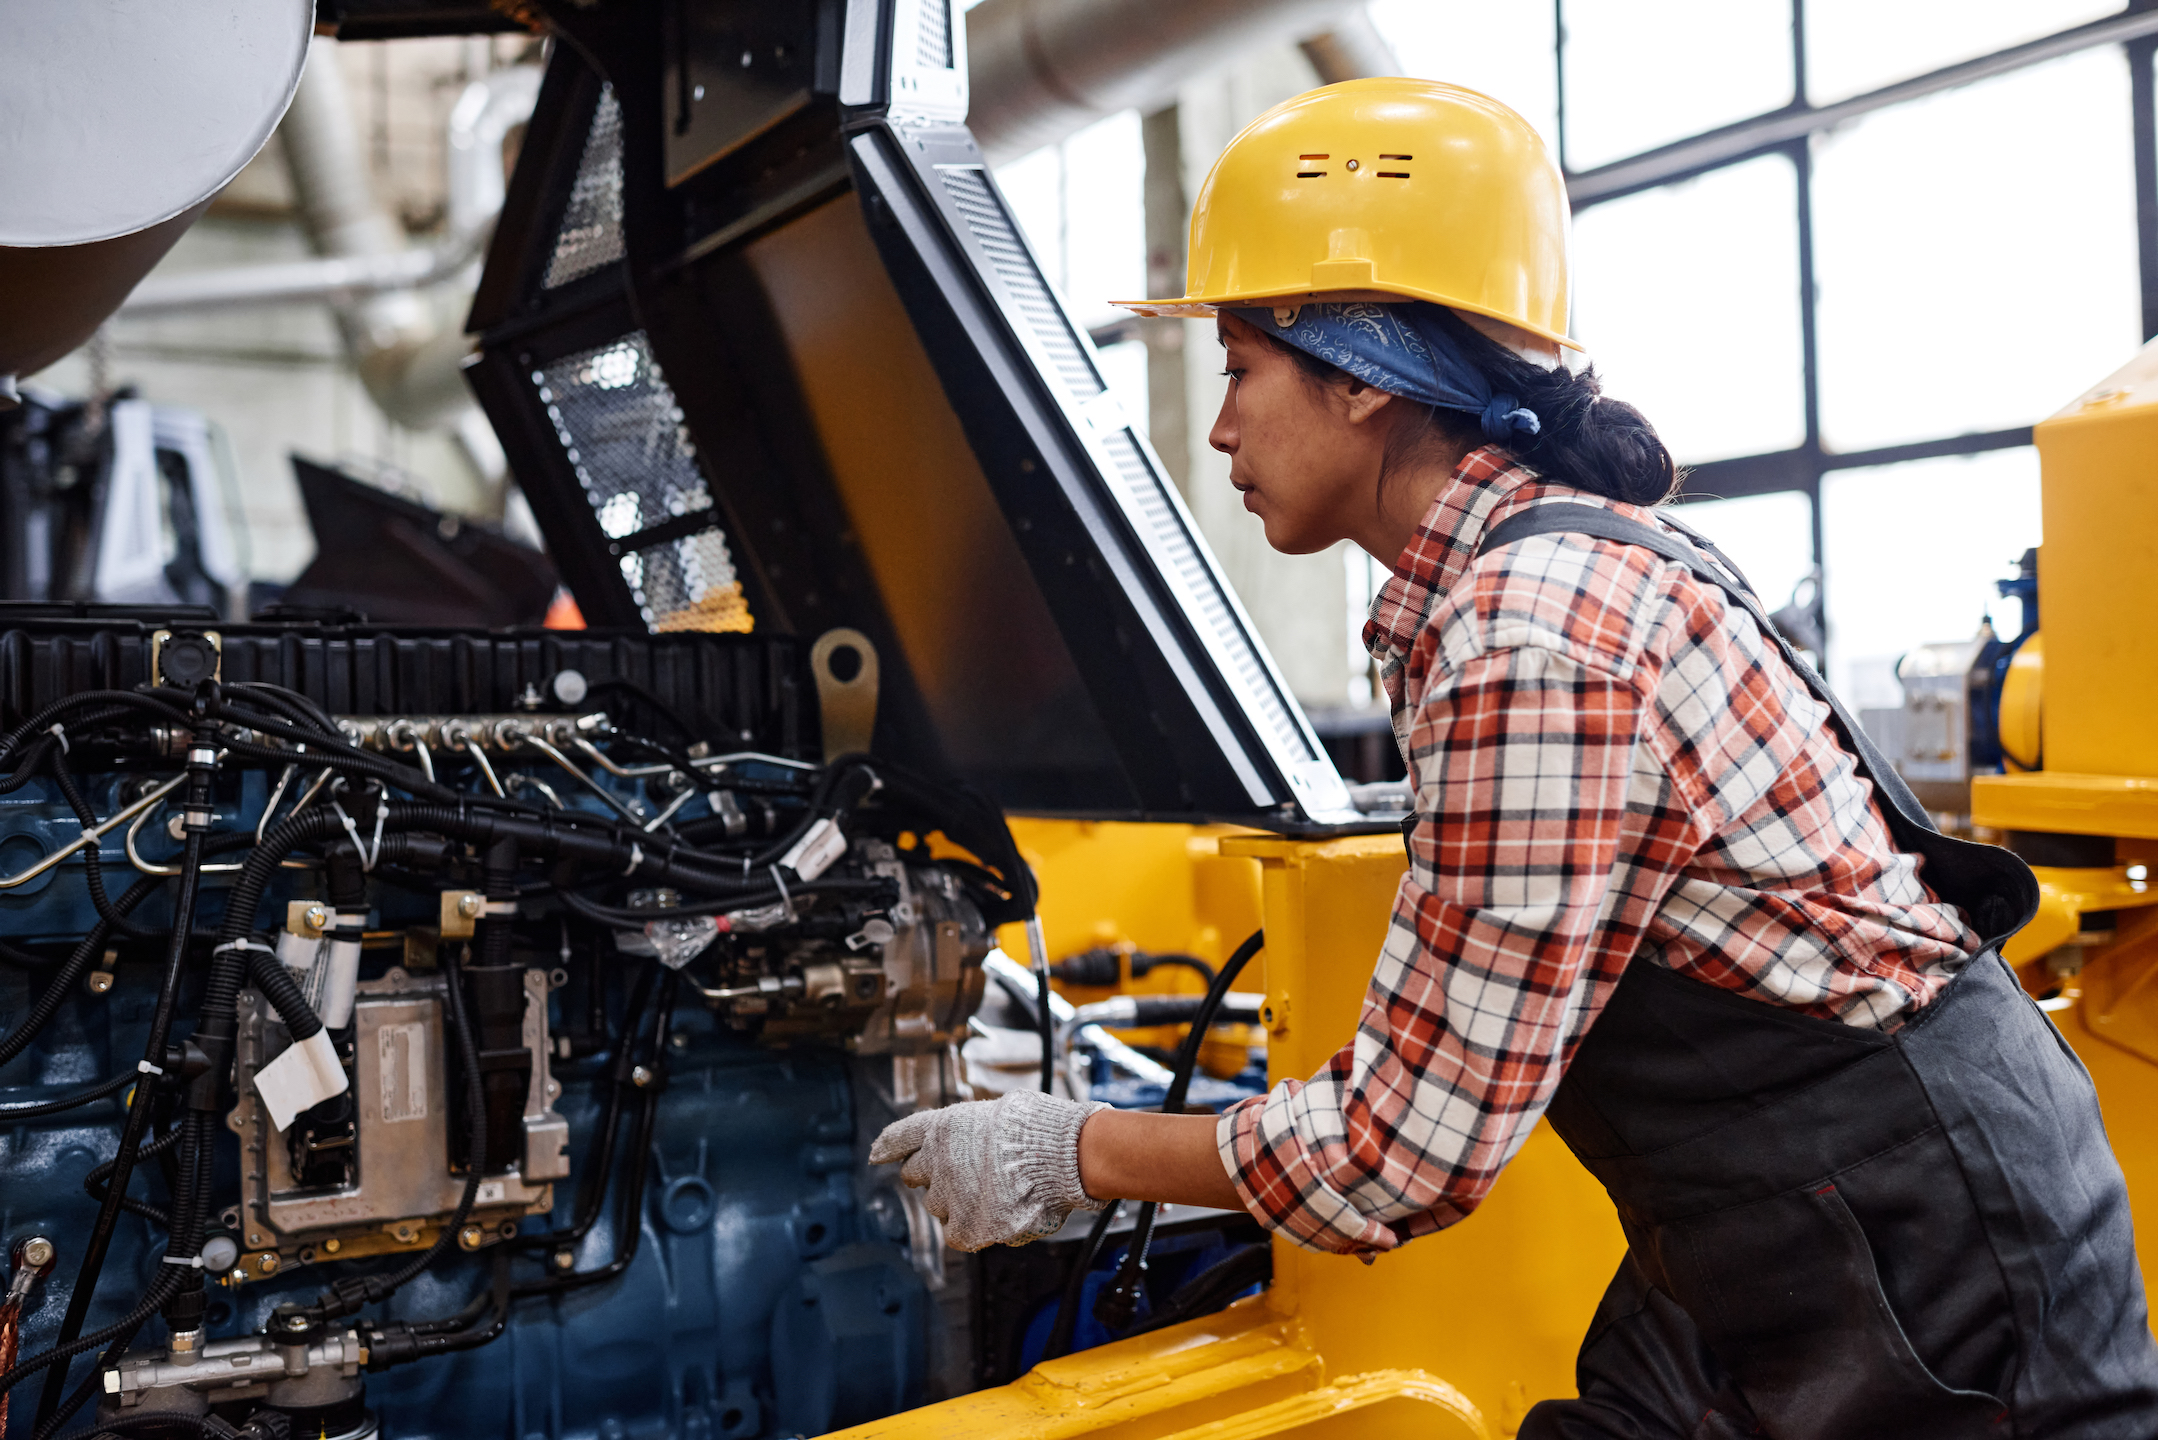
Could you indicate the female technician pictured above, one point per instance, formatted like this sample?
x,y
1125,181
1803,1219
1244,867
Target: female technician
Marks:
x,y
1661,891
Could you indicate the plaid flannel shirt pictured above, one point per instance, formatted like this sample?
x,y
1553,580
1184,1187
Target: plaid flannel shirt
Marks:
x,y
1610,761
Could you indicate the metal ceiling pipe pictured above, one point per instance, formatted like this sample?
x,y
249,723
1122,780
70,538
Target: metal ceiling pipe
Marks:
x,y
483,117
1040,69
328,163
1353,50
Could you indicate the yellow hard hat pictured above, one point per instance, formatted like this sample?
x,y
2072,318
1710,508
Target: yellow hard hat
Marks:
x,y
1383,190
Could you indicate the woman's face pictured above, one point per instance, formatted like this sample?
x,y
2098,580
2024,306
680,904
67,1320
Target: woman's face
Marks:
x,y
1306,455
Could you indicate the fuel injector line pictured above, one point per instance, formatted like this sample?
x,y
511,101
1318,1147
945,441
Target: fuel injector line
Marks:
x,y
93,866
201,767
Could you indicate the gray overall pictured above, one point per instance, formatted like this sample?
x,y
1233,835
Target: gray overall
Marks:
x,y
1836,1233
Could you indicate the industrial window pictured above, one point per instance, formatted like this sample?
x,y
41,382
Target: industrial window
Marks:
x,y
1691,290
1960,520
1853,46
1964,254
1641,73
1995,222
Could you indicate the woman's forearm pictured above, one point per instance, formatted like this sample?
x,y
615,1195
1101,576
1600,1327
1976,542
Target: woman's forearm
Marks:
x,y
1135,1155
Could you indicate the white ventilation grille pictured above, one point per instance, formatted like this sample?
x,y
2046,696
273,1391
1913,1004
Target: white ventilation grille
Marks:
x,y
994,232
1186,569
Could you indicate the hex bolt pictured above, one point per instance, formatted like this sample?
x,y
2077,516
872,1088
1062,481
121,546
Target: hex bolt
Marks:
x,y
564,1259
316,917
469,906
472,1237
267,1262
331,1247
641,1076
98,982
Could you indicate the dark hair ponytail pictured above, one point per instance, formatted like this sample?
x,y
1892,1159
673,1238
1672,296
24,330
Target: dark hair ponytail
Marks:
x,y
1585,439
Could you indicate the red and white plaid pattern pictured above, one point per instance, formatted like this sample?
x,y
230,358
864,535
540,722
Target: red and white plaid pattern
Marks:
x,y
1610,760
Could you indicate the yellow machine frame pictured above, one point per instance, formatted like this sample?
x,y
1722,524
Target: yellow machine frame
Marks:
x,y
1452,1336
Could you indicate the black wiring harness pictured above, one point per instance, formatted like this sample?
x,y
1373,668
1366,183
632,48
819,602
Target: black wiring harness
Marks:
x,y
412,824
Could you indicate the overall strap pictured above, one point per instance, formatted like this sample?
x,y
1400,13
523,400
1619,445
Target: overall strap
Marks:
x,y
2012,891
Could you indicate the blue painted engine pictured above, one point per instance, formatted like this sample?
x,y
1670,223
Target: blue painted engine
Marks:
x,y
479,1056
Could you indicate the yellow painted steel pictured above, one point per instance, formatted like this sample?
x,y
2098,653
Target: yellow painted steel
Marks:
x,y
1454,1335
2022,727
2098,575
2083,704
2065,896
2074,803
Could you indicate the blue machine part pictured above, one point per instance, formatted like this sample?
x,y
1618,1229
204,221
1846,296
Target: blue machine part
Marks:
x,y
771,1293
1989,671
751,1198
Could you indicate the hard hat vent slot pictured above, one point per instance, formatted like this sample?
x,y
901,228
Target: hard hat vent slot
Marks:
x,y
1314,157
1397,157
1309,174
1391,174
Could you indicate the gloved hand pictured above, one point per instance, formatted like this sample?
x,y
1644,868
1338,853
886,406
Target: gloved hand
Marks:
x,y
1001,1171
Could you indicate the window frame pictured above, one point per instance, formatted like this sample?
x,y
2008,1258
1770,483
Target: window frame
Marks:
x,y
1788,130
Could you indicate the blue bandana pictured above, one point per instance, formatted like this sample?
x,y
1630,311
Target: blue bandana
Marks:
x,y
1401,349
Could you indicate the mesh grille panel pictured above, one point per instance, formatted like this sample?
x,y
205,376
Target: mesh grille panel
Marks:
x,y
591,235
624,436
688,584
933,36
994,232
1189,573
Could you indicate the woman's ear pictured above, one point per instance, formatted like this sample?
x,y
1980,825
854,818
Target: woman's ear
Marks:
x,y
1361,402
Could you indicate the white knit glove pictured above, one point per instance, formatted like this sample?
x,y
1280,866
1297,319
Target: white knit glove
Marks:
x,y
1001,1171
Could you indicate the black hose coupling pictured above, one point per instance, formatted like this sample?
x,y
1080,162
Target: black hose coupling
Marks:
x,y
1118,1301
347,1296
392,1342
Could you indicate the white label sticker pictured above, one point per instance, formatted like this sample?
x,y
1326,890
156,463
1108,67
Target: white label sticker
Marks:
x,y
814,853
403,1051
492,1192
303,1076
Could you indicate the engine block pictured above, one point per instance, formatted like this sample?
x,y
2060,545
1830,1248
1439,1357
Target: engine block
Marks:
x,y
561,994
